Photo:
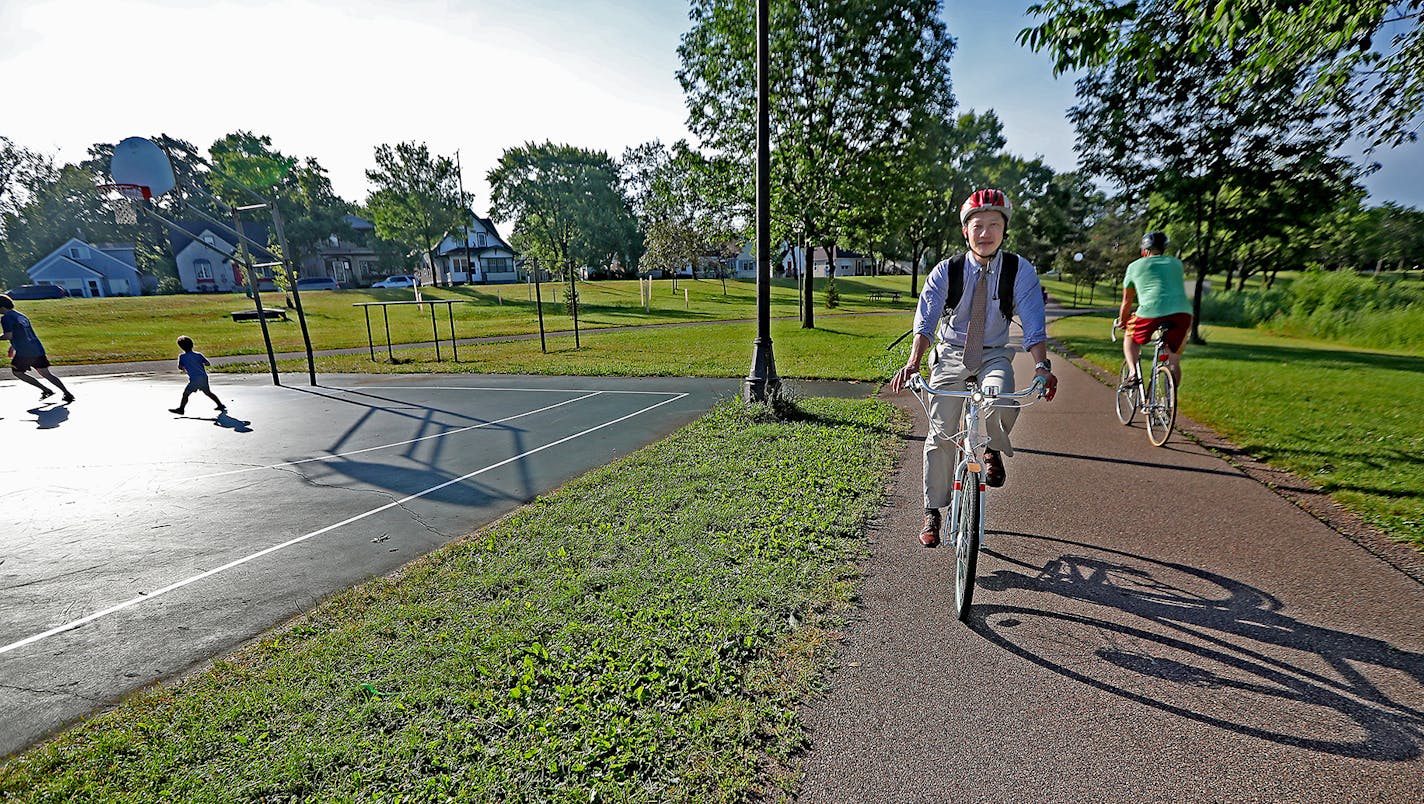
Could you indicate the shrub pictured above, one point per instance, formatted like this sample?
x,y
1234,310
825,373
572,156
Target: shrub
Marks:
x,y
169,285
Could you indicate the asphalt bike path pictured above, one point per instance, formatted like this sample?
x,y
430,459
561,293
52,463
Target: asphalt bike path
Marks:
x,y
1150,624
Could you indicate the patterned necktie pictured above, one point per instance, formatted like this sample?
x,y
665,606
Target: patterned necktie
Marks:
x,y
978,310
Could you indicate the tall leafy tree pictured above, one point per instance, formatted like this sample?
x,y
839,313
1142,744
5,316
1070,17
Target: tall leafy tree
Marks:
x,y
65,206
1364,58
676,205
567,205
852,80
21,172
416,198
311,211
1150,118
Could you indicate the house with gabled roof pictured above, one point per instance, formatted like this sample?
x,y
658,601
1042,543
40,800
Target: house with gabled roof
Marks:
x,y
347,256
84,269
480,255
203,253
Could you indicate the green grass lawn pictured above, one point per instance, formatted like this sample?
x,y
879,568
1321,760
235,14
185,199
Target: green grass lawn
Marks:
x,y
646,633
1347,419
145,327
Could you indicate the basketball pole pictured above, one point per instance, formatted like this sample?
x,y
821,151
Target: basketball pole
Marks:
x,y
253,281
292,281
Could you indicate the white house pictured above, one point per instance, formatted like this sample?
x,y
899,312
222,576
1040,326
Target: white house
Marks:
x,y
479,255
203,253
108,269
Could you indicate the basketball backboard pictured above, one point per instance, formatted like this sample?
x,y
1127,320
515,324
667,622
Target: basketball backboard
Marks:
x,y
139,160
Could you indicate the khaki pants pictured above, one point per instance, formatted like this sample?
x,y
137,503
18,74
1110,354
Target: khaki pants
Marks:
x,y
947,373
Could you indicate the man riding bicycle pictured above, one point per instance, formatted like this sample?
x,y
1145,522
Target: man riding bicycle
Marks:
x,y
967,301
1157,284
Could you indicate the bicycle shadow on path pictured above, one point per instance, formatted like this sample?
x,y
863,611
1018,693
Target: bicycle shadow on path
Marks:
x,y
1203,647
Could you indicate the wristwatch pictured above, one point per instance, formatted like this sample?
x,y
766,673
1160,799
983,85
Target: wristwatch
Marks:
x,y
1045,365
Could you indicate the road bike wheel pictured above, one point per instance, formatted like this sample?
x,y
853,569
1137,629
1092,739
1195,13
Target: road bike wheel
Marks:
x,y
1162,407
1126,395
966,544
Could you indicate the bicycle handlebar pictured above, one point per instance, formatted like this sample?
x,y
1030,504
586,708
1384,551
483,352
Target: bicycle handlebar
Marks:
x,y
917,383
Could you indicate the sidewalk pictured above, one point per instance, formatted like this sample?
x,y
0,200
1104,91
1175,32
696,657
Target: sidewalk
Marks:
x,y
1149,625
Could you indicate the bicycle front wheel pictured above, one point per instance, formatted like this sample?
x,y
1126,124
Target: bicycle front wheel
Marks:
x,y
966,542
1162,407
1126,395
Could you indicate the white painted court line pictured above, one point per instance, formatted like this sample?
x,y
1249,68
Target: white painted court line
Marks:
x,y
457,431
364,388
147,596
396,443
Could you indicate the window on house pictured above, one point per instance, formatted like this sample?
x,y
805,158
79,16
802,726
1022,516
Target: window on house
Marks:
x,y
482,241
78,252
498,265
203,270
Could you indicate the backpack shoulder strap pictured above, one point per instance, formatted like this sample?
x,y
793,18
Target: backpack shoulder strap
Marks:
x,y
1008,273
956,285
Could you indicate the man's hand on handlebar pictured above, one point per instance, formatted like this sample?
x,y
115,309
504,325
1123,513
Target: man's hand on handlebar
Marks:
x,y
1048,384
901,380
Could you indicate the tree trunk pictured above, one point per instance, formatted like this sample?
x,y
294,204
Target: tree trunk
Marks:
x,y
1202,268
917,253
808,309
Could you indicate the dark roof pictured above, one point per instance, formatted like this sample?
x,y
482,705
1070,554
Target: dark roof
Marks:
x,y
192,230
841,254
358,223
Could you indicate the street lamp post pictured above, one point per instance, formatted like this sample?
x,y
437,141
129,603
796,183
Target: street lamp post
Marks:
x,y
1077,257
763,383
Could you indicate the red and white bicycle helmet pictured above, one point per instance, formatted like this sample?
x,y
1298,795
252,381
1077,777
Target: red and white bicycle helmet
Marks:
x,y
981,200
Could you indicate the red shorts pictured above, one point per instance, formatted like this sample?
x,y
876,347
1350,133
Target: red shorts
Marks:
x,y
23,363
1176,335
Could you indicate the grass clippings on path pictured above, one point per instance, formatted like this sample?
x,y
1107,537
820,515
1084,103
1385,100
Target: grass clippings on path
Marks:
x,y
645,633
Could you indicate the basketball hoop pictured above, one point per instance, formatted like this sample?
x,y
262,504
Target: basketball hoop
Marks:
x,y
126,210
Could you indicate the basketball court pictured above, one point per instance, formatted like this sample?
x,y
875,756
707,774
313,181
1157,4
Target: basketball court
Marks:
x,y
143,543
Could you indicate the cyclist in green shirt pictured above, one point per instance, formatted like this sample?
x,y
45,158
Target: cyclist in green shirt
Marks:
x,y
1157,284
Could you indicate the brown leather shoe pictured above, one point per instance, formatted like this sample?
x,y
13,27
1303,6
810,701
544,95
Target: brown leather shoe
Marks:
x,y
996,475
929,534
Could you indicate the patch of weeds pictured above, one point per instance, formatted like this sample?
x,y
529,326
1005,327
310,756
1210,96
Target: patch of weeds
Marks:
x,y
783,406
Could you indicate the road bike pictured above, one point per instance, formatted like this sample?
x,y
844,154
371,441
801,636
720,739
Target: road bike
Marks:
x,y
966,510
1157,397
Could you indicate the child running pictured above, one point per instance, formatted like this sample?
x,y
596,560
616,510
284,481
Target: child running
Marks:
x,y
193,363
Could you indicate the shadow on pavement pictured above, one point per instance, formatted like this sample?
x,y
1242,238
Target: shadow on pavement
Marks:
x,y
1206,648
50,417
1126,462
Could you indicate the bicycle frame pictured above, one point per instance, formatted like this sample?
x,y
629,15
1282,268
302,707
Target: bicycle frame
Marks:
x,y
1146,390
970,442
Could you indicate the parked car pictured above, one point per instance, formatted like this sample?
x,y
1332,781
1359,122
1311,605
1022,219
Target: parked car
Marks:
x,y
399,281
318,283
28,292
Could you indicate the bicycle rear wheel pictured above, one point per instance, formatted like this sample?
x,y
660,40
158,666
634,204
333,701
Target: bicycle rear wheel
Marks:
x,y
1162,407
1126,395
966,528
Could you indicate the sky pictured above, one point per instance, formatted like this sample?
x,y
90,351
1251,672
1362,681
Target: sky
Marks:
x,y
335,78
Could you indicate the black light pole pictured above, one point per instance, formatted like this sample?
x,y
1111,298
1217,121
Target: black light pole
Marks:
x,y
763,384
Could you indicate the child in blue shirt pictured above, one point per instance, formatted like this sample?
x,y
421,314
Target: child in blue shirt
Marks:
x,y
193,363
